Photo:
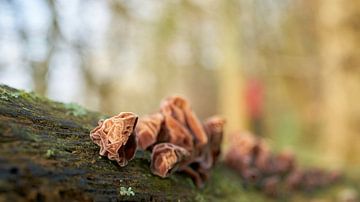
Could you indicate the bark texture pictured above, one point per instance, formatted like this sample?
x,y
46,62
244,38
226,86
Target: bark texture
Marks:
x,y
46,155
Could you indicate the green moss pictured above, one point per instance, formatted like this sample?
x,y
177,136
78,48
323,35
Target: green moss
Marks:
x,y
75,109
6,95
225,185
23,95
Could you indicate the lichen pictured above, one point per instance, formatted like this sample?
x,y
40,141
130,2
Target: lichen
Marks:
x,y
126,191
4,97
8,95
50,153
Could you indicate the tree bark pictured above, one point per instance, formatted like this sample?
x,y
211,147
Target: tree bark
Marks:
x,y
340,56
46,155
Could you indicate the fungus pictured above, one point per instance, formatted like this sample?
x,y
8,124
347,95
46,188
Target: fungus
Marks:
x,y
294,179
214,127
179,141
241,151
270,186
174,135
251,158
178,112
116,137
285,162
196,177
205,158
251,175
175,132
147,130
166,158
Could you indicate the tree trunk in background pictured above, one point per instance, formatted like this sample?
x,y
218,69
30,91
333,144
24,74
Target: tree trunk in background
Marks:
x,y
40,69
339,26
39,76
231,102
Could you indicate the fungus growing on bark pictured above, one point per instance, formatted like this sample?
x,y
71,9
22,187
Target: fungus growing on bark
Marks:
x,y
174,135
242,150
270,186
252,159
285,162
214,128
166,158
294,179
179,141
147,130
310,179
116,137
182,123
204,159
175,131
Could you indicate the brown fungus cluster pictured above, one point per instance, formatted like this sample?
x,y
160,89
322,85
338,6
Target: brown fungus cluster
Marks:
x,y
178,141
205,158
148,129
116,137
252,159
176,138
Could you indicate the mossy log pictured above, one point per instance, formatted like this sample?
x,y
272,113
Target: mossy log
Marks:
x,y
46,155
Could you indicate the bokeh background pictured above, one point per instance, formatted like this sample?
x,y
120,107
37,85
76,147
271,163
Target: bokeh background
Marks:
x,y
286,70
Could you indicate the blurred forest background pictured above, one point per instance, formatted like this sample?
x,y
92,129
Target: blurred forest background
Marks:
x,y
287,70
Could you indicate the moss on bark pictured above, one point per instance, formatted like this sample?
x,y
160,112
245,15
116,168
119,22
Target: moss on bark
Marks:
x,y
46,154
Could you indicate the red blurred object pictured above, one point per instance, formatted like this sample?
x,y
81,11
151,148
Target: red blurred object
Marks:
x,y
254,103
254,98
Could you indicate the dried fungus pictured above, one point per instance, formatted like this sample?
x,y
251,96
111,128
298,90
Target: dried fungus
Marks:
x,y
116,137
257,165
166,157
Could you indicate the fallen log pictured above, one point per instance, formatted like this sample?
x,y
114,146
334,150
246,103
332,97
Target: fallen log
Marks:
x,y
46,155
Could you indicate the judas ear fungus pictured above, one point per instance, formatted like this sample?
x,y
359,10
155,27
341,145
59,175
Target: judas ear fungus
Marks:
x,y
177,112
294,180
205,157
176,133
177,104
239,155
116,137
285,162
166,158
195,176
214,124
214,128
148,129
251,175
270,186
